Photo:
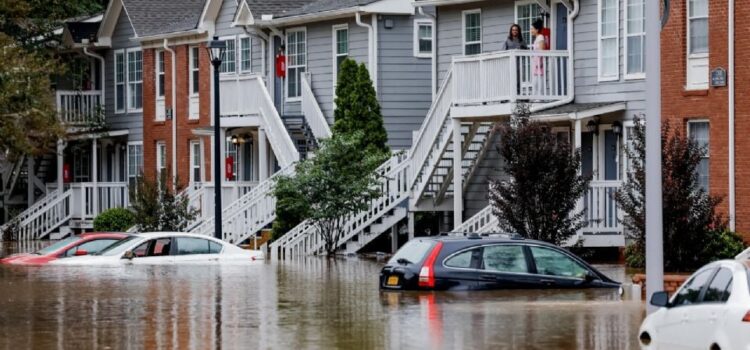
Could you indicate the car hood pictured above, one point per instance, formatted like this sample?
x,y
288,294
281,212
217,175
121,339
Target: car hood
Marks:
x,y
16,258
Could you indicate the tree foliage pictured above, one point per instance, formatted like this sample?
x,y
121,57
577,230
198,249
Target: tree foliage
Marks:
x,y
158,207
692,226
114,220
539,199
337,182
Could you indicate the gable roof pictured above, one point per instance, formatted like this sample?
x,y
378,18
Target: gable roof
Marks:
x,y
151,18
288,12
318,6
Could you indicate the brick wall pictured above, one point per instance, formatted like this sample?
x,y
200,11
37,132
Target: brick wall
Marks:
x,y
671,283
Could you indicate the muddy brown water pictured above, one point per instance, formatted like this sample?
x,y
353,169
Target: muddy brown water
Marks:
x,y
307,304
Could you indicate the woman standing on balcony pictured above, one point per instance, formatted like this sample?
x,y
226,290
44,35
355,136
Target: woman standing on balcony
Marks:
x,y
515,39
537,61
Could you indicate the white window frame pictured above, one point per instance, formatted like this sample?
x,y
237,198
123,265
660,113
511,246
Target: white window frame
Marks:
x,y
708,149
193,155
518,4
192,69
289,66
418,23
193,96
161,158
159,70
336,54
236,68
642,74
698,60
129,82
123,83
463,30
600,39
138,165
240,54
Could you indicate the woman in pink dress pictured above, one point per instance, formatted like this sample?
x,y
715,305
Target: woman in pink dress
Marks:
x,y
537,62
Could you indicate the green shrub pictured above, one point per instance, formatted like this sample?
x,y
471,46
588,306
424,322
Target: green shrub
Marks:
x,y
723,244
114,220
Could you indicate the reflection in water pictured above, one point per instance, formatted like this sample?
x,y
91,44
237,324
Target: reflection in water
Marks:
x,y
306,304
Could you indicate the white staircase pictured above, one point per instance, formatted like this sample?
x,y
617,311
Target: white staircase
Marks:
x,y
44,216
481,222
361,228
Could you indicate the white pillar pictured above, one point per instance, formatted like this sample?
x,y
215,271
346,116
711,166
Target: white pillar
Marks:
x,y
60,161
262,155
577,135
458,199
411,223
94,176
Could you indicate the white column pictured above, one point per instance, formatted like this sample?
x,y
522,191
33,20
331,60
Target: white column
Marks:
x,y
411,223
262,155
458,198
94,177
60,161
577,134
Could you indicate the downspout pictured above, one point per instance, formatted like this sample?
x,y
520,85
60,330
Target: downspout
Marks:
x,y
732,204
174,114
370,48
433,56
571,59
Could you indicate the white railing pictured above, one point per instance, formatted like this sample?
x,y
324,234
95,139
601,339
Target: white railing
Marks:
x,y
194,193
78,107
311,110
481,222
601,211
34,209
246,95
90,199
52,215
395,188
509,76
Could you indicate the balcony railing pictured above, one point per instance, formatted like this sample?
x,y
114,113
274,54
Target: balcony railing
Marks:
x,y
79,108
601,211
511,76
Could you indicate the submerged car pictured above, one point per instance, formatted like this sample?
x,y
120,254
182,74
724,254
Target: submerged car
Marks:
x,y
83,244
162,248
490,262
711,310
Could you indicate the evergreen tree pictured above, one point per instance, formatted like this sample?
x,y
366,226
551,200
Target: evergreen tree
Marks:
x,y
159,207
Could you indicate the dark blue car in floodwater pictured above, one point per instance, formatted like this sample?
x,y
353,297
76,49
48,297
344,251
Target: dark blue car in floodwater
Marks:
x,y
487,262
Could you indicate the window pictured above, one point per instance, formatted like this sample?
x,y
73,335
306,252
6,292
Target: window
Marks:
x,y
635,39
154,247
698,131
135,162
246,47
608,40
690,292
423,38
81,166
160,74
697,45
472,33
720,288
135,80
196,163
119,81
505,258
190,245
526,14
340,48
91,247
229,57
161,158
413,251
550,262
296,61
194,70
461,260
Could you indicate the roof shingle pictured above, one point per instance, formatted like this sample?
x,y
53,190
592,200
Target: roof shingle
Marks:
x,y
151,17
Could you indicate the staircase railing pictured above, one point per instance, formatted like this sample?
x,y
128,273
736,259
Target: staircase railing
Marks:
x,y
44,220
311,110
281,143
34,209
395,188
481,222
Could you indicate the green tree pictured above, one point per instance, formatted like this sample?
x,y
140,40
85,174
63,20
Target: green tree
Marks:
x,y
539,199
357,107
694,232
158,207
337,182
31,23
114,220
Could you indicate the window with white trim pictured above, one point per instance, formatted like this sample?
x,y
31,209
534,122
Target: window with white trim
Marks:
x,y
340,50
697,44
196,162
135,162
228,57
423,38
609,58
635,39
161,158
159,67
472,32
194,71
698,131
120,81
135,80
246,48
296,41
526,14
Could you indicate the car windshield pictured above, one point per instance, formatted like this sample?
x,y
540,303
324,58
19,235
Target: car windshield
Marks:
x,y
118,247
412,252
57,245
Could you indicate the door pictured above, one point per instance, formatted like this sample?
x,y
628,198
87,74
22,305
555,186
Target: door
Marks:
x,y
463,270
611,159
555,269
505,266
678,327
561,27
711,310
587,153
193,250
154,252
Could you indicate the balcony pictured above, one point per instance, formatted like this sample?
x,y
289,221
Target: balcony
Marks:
x,y
489,84
80,108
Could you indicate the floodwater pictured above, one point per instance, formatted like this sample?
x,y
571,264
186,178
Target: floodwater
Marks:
x,y
308,304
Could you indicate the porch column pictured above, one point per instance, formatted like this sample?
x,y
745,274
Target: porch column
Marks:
x,y
262,155
60,161
30,184
411,223
94,177
458,199
577,135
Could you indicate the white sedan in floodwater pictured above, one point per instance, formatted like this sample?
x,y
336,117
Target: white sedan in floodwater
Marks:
x,y
165,248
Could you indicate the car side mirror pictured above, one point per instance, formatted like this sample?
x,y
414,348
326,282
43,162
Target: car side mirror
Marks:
x,y
81,252
660,299
128,255
590,277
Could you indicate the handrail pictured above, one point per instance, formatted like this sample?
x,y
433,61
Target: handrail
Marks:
x,y
281,143
478,222
311,110
35,208
44,221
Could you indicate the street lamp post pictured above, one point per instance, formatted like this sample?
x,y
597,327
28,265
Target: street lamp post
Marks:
x,y
215,52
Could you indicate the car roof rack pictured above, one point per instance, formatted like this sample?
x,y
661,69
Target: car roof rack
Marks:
x,y
475,235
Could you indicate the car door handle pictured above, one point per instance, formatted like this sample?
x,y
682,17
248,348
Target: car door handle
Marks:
x,y
547,281
487,277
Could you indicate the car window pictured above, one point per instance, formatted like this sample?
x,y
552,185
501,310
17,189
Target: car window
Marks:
x,y
119,247
413,251
55,246
91,247
720,287
214,247
691,290
154,247
191,245
550,262
461,260
505,258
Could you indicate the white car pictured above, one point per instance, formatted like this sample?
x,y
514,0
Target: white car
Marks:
x,y
710,311
160,248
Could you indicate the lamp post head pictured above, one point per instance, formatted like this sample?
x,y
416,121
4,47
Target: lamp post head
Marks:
x,y
216,49
592,125
617,128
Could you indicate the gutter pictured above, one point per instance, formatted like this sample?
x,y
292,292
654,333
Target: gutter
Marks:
x,y
174,114
433,56
170,35
371,61
732,184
